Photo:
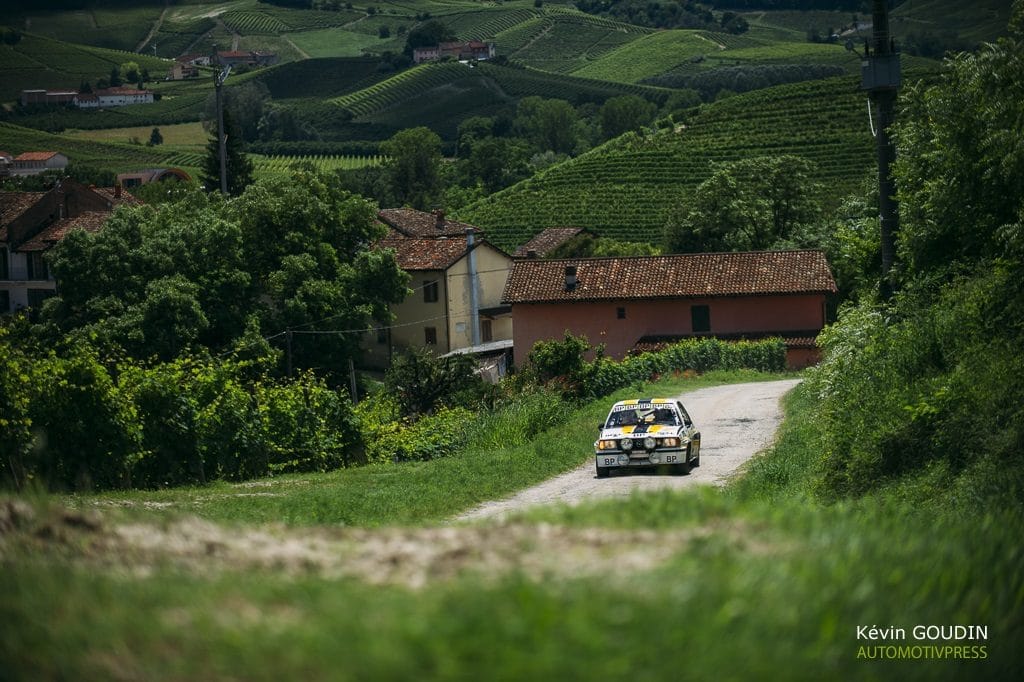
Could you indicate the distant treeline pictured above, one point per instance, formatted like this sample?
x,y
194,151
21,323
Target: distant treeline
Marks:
x,y
800,5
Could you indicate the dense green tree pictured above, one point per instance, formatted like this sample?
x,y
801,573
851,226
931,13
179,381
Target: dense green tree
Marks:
x,y
549,124
155,138
291,252
960,162
428,34
130,72
421,382
413,166
758,203
624,113
239,166
496,163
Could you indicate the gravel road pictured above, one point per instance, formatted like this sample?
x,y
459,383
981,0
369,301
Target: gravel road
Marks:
x,y
735,421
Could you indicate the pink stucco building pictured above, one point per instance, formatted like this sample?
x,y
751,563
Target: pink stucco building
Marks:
x,y
640,302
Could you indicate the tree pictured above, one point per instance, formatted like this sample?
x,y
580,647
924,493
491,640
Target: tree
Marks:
x,y
758,203
413,165
624,113
291,253
549,124
115,77
960,164
246,102
496,163
155,138
421,382
428,34
239,166
130,72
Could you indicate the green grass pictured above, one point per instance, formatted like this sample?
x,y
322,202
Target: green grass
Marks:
x,y
409,493
115,156
333,42
766,585
647,56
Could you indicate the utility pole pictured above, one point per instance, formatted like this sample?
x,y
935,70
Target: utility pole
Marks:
x,y
474,302
222,146
880,76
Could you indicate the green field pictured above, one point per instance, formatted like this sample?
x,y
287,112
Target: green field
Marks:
x,y
648,56
333,42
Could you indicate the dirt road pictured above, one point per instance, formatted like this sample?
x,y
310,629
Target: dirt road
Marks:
x,y
735,422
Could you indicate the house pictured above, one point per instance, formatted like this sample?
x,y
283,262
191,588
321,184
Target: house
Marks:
x,y
144,177
439,255
31,223
546,241
112,97
463,51
34,163
634,303
181,70
6,163
47,97
194,59
245,58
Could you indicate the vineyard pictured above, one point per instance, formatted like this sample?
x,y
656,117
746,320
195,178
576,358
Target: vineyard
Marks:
x,y
119,29
281,165
562,42
404,86
274,21
114,156
39,62
647,56
627,188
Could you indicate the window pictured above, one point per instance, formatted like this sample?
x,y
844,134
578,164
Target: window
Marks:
x,y
3,265
430,336
620,313
5,302
37,296
430,291
700,318
486,333
37,266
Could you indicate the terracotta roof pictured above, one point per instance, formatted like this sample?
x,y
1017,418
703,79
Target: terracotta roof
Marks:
x,y
12,205
697,275
547,241
413,223
109,192
90,221
423,253
35,156
6,155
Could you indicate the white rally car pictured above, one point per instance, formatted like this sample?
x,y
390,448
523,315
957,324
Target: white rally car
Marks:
x,y
645,433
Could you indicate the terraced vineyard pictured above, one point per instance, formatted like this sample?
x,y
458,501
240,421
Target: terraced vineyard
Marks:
x,y
627,188
274,21
563,41
404,86
116,28
281,165
647,56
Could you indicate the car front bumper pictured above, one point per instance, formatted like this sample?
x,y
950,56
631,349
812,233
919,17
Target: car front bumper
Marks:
x,y
613,460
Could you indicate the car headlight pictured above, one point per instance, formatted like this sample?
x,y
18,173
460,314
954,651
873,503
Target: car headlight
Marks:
x,y
670,442
626,443
650,443
606,445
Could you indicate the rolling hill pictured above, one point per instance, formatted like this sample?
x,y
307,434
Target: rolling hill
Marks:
x,y
627,188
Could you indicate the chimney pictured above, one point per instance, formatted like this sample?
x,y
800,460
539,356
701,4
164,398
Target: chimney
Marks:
x,y
438,218
531,254
117,191
570,277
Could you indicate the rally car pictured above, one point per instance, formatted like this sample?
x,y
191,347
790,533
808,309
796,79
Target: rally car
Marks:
x,y
646,433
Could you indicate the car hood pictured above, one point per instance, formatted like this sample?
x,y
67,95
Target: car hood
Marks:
x,y
658,430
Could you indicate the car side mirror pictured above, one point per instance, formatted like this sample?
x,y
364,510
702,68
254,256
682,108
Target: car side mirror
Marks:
x,y
600,426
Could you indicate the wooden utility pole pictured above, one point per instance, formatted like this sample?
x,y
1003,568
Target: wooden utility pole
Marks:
x,y
880,72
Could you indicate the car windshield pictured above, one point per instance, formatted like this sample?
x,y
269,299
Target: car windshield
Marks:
x,y
620,418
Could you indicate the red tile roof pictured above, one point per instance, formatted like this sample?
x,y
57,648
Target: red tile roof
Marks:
x,y
90,221
698,275
35,156
109,193
12,205
422,253
413,223
547,241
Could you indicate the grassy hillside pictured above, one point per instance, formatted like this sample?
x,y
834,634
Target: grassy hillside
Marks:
x,y
111,155
627,188
39,62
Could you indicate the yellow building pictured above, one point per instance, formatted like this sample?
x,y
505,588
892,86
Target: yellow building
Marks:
x,y
439,313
